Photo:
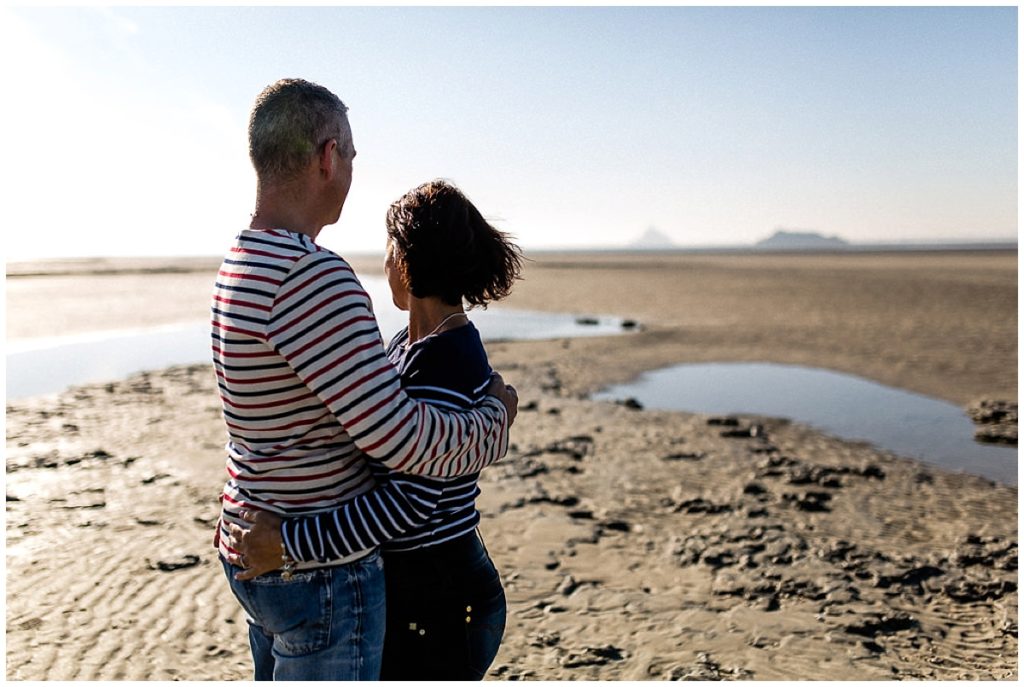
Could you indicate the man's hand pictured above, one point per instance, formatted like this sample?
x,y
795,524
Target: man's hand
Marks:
x,y
506,393
259,547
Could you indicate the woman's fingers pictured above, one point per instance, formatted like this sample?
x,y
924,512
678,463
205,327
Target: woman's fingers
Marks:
x,y
236,536
248,574
258,547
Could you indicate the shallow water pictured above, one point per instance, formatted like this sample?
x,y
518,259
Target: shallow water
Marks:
x,y
846,406
40,366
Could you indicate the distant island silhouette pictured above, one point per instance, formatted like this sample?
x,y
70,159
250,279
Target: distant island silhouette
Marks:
x,y
800,240
652,239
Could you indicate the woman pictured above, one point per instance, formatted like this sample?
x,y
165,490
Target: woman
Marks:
x,y
445,603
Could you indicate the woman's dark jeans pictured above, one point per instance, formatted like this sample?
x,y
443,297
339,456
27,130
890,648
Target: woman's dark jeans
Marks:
x,y
445,612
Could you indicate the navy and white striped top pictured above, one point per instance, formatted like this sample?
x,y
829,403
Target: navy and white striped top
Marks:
x,y
447,370
311,400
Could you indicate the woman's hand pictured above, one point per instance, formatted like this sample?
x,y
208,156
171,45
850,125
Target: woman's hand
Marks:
x,y
259,547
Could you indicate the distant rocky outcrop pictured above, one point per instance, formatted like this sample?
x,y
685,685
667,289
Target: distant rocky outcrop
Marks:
x,y
800,240
652,238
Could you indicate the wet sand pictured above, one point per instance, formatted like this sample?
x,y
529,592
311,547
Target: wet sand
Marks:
x,y
634,544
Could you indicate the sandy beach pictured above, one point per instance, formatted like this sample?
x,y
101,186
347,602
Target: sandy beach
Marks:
x,y
634,544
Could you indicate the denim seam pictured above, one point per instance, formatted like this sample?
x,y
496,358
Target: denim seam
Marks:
x,y
329,605
357,635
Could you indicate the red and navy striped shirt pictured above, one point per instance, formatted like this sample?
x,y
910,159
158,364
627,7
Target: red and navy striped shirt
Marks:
x,y
448,370
309,394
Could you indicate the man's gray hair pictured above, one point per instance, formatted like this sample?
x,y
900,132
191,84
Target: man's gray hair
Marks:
x,y
291,119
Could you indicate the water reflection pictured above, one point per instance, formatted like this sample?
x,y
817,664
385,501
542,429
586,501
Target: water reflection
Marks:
x,y
843,405
48,365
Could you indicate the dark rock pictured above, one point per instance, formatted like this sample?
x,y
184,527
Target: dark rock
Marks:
x,y
186,561
545,639
576,447
873,647
615,525
694,456
743,432
629,324
965,590
754,488
587,321
997,420
593,656
883,624
872,471
699,505
909,578
556,500
532,405
811,501
630,403
815,474
989,552
719,559
154,478
723,422
988,411
568,585
997,434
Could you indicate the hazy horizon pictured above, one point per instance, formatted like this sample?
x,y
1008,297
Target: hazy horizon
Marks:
x,y
950,244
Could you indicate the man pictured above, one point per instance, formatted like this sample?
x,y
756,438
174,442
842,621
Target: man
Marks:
x,y
309,395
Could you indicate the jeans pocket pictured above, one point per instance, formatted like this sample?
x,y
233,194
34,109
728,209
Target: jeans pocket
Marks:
x,y
297,612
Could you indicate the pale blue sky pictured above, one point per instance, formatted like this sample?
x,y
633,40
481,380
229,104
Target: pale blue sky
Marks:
x,y
125,127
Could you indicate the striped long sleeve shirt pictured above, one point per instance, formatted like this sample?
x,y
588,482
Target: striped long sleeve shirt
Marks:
x,y
447,370
309,396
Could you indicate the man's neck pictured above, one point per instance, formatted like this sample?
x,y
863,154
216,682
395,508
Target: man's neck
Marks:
x,y
281,209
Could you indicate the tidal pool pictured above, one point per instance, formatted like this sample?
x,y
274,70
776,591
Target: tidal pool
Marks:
x,y
40,366
843,405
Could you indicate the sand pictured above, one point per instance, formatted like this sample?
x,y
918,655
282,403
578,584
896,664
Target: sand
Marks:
x,y
633,544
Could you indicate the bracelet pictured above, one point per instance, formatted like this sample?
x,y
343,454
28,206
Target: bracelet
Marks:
x,y
289,564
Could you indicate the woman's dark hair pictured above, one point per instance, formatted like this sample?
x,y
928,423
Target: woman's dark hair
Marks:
x,y
444,247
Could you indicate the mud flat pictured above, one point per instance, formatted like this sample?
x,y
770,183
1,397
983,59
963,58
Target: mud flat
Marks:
x,y
634,544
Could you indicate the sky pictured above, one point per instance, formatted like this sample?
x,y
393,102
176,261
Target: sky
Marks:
x,y
124,128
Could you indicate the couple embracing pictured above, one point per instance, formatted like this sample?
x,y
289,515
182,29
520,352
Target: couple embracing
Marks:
x,y
348,529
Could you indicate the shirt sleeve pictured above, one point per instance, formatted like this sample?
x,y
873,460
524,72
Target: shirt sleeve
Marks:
x,y
399,504
322,324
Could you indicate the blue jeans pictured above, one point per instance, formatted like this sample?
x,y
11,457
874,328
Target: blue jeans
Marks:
x,y
323,624
446,612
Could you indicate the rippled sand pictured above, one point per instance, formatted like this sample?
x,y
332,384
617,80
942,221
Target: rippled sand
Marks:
x,y
633,544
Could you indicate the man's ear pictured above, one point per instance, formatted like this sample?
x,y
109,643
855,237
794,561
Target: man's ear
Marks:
x,y
327,160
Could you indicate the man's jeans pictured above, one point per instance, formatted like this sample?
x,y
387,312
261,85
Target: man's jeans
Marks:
x,y
323,624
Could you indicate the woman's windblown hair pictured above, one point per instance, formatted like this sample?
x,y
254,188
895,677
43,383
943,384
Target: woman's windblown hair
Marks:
x,y
444,247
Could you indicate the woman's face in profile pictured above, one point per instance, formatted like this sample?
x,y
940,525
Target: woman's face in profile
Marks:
x,y
399,292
